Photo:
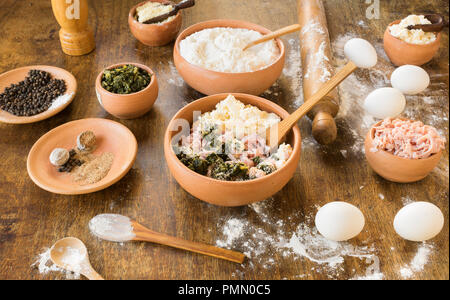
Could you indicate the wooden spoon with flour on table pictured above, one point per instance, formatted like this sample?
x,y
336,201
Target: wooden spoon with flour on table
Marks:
x,y
118,228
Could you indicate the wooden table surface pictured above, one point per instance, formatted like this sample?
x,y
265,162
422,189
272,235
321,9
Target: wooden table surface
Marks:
x,y
32,219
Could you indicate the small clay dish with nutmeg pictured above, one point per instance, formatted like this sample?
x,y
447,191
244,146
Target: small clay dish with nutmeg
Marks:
x,y
402,53
111,137
395,168
128,106
158,34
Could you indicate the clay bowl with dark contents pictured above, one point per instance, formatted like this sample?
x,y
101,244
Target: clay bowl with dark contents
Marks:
x,y
230,193
17,75
211,82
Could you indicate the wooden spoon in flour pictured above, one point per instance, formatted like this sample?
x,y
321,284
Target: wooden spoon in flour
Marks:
x,y
360,53
274,35
71,254
118,228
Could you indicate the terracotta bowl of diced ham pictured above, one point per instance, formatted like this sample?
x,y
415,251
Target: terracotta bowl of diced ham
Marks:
x,y
395,168
229,193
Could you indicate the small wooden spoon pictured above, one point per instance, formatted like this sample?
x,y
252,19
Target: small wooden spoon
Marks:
x,y
71,254
273,35
118,228
437,24
182,5
360,53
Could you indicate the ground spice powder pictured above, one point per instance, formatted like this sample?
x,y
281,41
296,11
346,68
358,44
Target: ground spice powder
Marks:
x,y
94,169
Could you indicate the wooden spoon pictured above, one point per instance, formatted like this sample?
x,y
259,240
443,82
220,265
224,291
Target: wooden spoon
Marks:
x,y
118,228
71,254
273,35
182,5
437,24
360,54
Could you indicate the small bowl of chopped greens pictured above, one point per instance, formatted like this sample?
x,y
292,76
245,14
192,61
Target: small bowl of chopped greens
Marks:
x,y
127,90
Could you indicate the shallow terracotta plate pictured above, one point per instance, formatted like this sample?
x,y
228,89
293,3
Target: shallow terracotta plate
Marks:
x,y
111,137
17,75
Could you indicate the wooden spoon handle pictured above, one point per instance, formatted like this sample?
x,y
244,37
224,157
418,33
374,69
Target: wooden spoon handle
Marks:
x,y
93,275
144,234
273,35
185,4
285,125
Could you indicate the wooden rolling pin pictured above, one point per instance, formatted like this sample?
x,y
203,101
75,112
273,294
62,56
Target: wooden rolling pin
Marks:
x,y
317,68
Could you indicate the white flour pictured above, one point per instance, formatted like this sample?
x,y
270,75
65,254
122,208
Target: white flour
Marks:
x,y
269,241
418,262
60,101
45,266
293,72
220,49
112,227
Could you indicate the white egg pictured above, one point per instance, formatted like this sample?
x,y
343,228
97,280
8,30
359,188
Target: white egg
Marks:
x,y
419,221
361,52
385,102
339,221
410,80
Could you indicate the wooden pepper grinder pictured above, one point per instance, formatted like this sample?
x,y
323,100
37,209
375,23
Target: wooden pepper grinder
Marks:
x,y
76,37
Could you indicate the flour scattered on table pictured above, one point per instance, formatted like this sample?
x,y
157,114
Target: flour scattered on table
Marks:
x,y
418,262
293,72
45,266
268,241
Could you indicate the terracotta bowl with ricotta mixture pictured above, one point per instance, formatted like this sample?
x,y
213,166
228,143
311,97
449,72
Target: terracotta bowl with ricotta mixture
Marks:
x,y
154,34
211,82
230,193
395,168
402,53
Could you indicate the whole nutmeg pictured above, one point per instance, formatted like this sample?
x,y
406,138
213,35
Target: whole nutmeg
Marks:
x,y
59,157
86,141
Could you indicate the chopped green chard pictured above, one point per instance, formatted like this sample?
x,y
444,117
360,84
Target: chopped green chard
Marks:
x,y
126,79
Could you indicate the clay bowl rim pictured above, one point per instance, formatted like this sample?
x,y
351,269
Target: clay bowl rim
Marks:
x,y
371,136
45,114
436,41
132,13
295,131
91,188
144,67
220,23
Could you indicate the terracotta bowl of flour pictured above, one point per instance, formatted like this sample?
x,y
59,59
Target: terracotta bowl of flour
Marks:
x,y
402,53
154,34
229,193
395,168
211,82
112,137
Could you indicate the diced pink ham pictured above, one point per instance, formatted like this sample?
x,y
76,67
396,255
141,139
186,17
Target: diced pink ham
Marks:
x,y
407,139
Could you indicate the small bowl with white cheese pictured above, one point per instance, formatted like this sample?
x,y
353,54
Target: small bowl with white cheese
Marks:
x,y
410,47
155,34
210,57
